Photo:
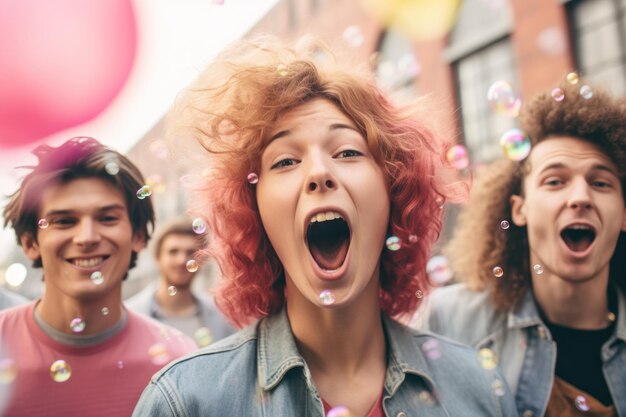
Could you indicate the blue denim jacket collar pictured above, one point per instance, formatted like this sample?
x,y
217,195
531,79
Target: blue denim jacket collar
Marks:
x,y
278,353
527,314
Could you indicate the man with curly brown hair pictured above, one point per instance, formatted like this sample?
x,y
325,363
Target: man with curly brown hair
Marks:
x,y
541,251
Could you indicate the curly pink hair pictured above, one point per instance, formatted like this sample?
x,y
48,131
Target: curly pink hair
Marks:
x,y
231,110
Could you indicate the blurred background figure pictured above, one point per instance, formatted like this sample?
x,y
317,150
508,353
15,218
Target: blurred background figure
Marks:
x,y
10,299
170,299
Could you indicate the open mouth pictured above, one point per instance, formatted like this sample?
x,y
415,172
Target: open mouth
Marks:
x,y
328,239
578,237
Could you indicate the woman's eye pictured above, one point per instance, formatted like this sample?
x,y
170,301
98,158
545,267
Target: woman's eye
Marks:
x,y
284,163
349,153
109,219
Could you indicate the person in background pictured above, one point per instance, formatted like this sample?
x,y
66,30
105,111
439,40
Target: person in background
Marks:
x,y
541,253
171,300
313,170
10,299
77,351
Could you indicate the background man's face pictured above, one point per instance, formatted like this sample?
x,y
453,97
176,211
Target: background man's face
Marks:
x,y
176,250
573,208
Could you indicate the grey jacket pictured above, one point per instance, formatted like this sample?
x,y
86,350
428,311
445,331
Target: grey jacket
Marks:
x,y
259,372
522,343
144,302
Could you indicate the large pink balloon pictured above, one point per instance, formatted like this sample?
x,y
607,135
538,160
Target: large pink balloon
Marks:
x,y
61,63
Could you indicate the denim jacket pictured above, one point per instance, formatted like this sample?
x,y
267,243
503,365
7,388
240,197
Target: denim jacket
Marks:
x,y
259,372
522,342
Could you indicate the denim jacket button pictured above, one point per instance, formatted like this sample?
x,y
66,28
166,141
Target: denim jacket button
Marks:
x,y
528,413
401,414
542,334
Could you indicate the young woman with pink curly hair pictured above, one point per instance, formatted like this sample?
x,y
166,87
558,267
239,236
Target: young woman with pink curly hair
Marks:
x,y
312,171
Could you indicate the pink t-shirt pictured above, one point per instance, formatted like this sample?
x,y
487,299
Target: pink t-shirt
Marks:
x,y
375,411
106,379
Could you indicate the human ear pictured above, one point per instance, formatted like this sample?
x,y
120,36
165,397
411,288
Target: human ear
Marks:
x,y
139,242
518,210
30,246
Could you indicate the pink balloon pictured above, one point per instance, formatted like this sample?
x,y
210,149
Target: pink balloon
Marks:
x,y
61,63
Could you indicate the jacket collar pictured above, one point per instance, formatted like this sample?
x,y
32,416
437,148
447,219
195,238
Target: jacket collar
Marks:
x,y
620,328
277,353
527,314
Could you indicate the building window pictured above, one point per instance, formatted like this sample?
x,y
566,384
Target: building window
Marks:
x,y
475,73
599,36
397,66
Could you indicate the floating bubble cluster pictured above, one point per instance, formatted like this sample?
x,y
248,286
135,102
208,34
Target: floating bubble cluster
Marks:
x,y
171,290
143,192
198,225
192,265
327,298
282,70
43,224
339,411
572,78
203,336
581,403
497,271
551,41
253,178
159,355
586,92
438,270
419,294
112,168
77,325
8,371
60,371
504,225
413,238
427,398
498,388
515,144
558,94
487,358
159,148
458,157
97,278
393,243
538,269
503,100
105,311
432,349
353,36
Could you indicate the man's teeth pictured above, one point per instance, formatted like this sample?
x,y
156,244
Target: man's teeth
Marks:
x,y
329,215
88,262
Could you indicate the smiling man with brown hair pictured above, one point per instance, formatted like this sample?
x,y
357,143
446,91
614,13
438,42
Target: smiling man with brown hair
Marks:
x,y
77,351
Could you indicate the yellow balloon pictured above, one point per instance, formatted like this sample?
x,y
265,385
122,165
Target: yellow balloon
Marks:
x,y
418,19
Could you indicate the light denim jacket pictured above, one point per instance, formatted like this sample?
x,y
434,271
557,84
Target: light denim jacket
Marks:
x,y
259,372
522,343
